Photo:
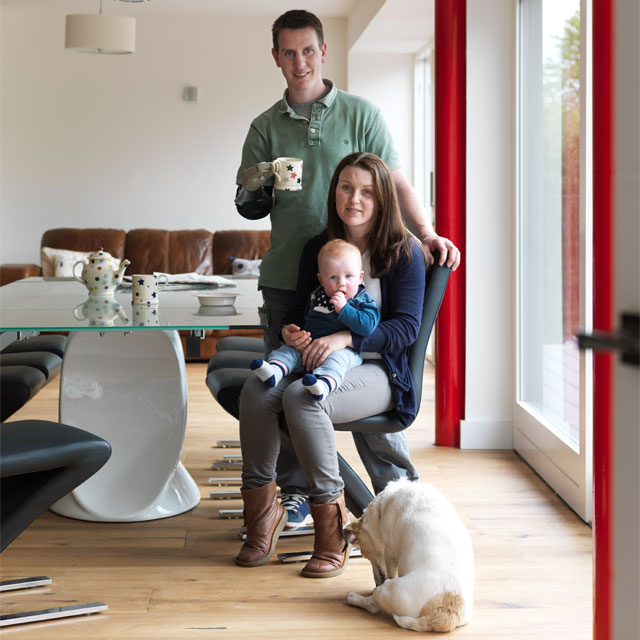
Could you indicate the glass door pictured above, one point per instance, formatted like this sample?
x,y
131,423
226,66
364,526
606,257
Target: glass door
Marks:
x,y
552,416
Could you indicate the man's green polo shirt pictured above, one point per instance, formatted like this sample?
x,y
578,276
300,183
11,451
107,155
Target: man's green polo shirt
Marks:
x,y
340,124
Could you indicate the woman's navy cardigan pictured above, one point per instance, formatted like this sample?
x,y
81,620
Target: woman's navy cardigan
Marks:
x,y
402,289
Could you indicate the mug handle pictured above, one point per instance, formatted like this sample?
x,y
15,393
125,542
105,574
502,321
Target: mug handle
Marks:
x,y
78,308
275,167
73,271
161,286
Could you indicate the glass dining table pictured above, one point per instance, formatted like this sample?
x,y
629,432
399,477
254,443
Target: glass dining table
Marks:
x,y
123,378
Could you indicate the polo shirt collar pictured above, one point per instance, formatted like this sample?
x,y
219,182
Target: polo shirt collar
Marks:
x,y
325,100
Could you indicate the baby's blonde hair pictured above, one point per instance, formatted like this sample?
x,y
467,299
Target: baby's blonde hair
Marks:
x,y
338,248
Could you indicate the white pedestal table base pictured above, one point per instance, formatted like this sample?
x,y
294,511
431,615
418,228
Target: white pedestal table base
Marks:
x,y
131,390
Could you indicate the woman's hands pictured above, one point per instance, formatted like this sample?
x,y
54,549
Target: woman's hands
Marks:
x,y
314,352
317,351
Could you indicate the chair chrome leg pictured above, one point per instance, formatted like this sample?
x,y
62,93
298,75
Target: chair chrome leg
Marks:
x,y
230,514
225,495
226,482
227,444
232,494
39,615
303,556
226,465
24,583
287,533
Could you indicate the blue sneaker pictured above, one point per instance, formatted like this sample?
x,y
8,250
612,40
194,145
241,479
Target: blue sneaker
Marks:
x,y
298,511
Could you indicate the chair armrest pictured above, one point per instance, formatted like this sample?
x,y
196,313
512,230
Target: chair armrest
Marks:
x,y
11,272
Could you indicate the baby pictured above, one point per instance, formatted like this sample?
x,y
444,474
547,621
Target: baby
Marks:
x,y
340,302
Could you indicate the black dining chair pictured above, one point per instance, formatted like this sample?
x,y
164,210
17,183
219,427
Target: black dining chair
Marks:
x,y
26,366
40,463
229,368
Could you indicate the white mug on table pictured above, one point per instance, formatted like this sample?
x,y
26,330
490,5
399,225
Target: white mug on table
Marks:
x,y
145,288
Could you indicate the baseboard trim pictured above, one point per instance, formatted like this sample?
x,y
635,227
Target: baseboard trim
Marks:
x,y
491,434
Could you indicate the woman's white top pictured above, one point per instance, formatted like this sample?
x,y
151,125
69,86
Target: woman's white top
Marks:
x,y
372,285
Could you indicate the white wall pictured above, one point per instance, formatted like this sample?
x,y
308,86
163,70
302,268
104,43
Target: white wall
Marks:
x,y
387,80
92,140
489,259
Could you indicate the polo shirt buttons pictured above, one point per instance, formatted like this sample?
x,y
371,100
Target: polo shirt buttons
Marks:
x,y
312,130
394,375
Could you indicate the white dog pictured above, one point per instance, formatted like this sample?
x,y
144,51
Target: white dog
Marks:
x,y
421,555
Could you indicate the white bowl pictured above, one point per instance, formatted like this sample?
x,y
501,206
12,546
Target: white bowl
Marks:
x,y
217,311
217,299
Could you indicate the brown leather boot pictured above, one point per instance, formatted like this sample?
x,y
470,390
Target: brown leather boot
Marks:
x,y
264,518
330,550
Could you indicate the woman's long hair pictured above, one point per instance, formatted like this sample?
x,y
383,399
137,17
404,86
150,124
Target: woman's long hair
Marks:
x,y
388,239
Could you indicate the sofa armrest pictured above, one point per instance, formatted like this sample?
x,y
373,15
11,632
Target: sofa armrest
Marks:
x,y
11,272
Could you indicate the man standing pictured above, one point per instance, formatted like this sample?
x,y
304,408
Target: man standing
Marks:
x,y
320,124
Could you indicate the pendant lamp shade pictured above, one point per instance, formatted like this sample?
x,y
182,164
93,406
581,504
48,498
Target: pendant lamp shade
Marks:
x,y
100,33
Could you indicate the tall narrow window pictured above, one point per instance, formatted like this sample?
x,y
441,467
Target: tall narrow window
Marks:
x,y
553,222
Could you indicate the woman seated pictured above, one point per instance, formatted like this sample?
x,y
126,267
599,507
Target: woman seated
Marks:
x,y
362,209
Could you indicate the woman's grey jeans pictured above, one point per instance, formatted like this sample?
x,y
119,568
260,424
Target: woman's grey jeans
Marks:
x,y
308,461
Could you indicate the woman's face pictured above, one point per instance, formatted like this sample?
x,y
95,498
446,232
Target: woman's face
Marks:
x,y
355,199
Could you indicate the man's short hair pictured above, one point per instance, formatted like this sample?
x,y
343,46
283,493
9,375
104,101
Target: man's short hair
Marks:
x,y
296,19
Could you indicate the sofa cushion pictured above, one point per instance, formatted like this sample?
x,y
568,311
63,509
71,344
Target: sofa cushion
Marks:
x,y
111,240
59,263
191,251
169,251
148,251
250,245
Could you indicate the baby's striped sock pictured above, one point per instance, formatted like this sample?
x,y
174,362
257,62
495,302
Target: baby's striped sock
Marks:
x,y
319,387
269,372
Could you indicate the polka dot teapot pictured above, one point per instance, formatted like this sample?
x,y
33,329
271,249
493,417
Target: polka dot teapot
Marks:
x,y
102,274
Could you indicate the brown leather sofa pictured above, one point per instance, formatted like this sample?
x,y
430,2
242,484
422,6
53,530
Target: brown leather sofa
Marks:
x,y
149,250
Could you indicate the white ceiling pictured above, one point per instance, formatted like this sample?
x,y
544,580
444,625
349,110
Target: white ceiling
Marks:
x,y
323,8
400,26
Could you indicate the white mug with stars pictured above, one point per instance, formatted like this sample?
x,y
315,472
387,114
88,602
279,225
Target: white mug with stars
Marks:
x,y
145,288
288,173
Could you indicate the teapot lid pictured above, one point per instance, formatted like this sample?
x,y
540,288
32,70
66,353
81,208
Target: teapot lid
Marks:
x,y
100,254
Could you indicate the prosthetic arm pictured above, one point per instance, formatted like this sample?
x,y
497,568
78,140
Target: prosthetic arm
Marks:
x,y
253,200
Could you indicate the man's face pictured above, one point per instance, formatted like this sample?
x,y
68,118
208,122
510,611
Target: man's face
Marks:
x,y
300,57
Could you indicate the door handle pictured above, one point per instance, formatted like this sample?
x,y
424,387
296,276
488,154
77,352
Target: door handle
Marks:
x,y
626,340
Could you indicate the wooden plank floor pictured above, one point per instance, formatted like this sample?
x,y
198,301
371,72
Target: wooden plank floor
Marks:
x,y
175,578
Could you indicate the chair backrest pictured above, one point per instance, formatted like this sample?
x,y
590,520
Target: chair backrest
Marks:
x,y
435,286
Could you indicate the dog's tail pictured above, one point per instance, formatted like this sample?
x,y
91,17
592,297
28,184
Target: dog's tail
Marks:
x,y
442,614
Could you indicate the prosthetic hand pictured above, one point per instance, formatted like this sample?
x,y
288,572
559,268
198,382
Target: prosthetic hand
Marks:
x,y
253,178
254,201
254,205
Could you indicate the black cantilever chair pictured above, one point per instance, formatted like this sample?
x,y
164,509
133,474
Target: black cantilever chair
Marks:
x,y
229,368
40,463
